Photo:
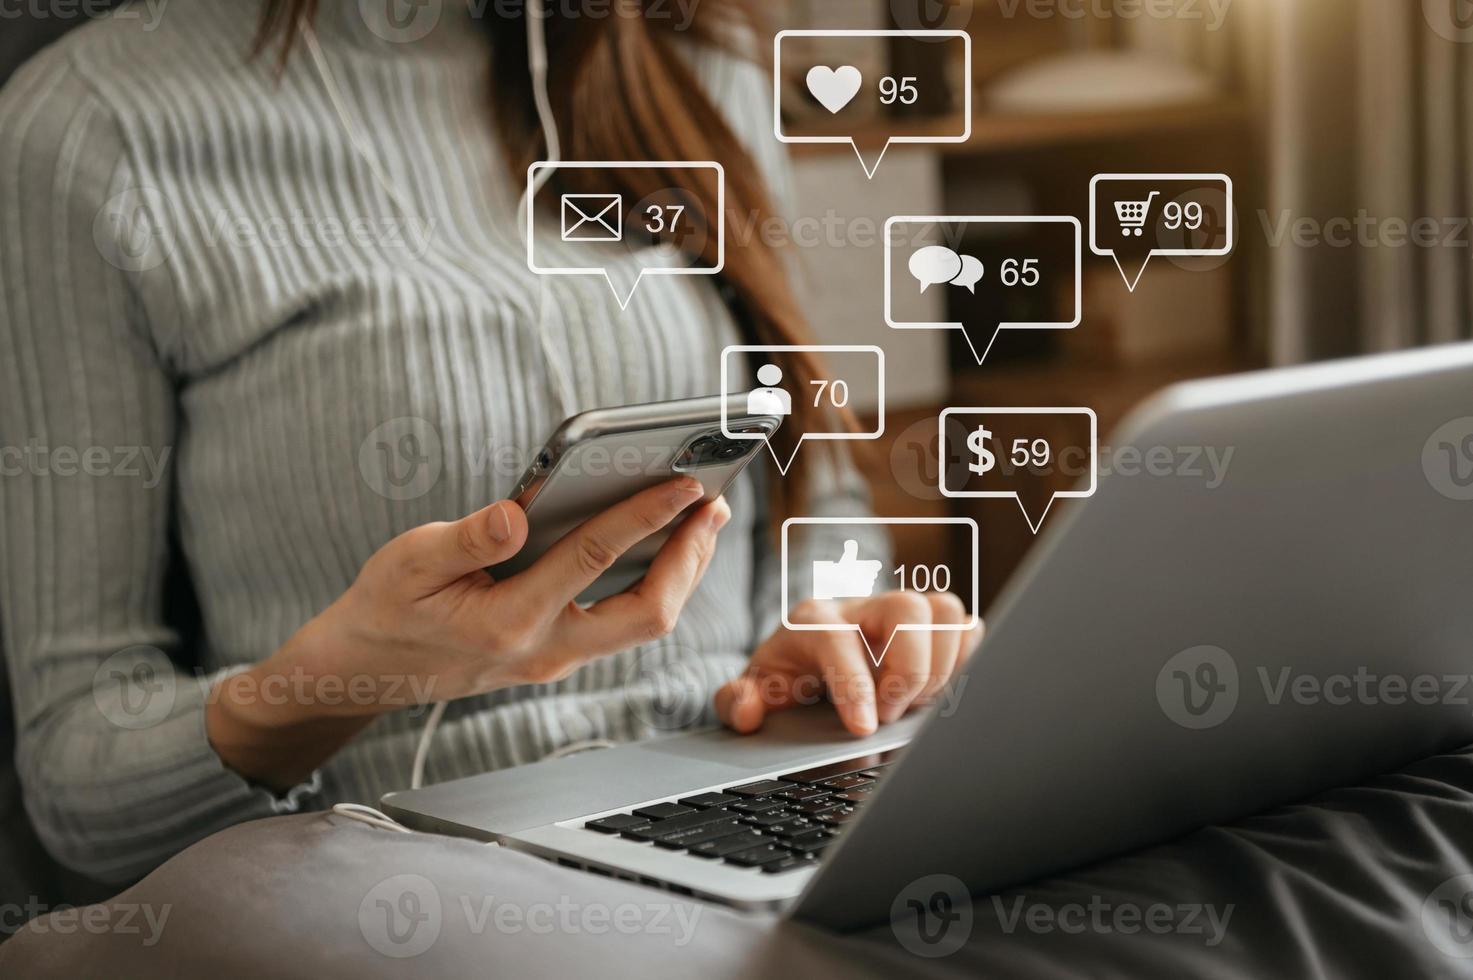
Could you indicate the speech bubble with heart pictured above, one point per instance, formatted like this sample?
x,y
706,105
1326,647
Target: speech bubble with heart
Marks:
x,y
834,88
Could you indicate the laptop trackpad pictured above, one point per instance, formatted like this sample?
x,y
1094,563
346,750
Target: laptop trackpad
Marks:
x,y
787,738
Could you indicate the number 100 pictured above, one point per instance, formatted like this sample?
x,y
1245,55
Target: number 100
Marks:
x,y
924,578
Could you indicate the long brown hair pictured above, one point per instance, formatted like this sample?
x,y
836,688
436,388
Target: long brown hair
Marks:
x,y
620,90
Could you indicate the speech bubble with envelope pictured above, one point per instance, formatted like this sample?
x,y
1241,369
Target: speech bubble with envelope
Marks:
x,y
580,223
1030,279
838,570
853,378
593,217
842,102
1033,455
1135,217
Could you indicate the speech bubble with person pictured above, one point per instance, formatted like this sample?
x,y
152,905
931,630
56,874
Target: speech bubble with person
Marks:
x,y
850,574
1034,283
1034,456
579,221
1135,217
851,382
819,97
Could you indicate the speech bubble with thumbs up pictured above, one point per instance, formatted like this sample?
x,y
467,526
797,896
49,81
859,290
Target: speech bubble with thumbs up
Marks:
x,y
847,578
854,578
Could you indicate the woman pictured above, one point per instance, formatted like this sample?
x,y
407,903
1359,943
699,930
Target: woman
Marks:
x,y
275,279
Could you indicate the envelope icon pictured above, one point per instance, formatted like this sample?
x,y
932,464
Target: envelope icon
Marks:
x,y
593,217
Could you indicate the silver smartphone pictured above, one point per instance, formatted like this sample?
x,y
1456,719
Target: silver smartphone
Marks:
x,y
596,459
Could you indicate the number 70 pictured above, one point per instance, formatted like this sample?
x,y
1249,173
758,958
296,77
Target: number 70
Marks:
x,y
837,391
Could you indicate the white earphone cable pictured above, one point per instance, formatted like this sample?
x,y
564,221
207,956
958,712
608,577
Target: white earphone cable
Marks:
x,y
562,381
370,816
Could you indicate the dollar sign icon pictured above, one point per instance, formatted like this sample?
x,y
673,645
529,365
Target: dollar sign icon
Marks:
x,y
977,443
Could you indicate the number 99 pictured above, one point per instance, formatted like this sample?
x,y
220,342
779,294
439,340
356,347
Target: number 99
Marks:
x,y
1177,217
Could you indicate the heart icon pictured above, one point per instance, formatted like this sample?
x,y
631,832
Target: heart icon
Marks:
x,y
834,88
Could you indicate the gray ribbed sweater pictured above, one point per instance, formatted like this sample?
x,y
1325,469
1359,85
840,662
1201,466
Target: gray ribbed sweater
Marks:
x,y
216,328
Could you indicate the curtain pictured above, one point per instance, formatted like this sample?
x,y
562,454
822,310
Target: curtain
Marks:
x,y
1357,238
1368,122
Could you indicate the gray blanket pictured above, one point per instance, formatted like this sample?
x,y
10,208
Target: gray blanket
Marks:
x,y
1372,881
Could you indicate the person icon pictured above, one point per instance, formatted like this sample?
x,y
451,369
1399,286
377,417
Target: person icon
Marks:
x,y
769,399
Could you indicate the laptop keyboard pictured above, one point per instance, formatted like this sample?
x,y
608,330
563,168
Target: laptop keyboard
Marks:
x,y
777,825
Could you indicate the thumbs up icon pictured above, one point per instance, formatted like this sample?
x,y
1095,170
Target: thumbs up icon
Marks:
x,y
847,578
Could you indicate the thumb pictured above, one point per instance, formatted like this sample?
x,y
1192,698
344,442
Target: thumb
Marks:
x,y
851,552
452,549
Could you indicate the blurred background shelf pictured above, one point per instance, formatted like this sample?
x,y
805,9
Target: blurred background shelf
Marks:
x,y
1014,132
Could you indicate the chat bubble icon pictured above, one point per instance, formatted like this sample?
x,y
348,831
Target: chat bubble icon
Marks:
x,y
826,91
1030,280
581,220
1033,456
972,272
838,378
1135,217
935,264
838,562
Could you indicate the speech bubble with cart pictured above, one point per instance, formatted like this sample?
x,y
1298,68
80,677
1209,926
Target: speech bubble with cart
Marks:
x,y
1135,217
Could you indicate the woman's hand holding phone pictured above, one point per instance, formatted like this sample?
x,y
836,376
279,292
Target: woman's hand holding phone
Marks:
x,y
793,668
424,610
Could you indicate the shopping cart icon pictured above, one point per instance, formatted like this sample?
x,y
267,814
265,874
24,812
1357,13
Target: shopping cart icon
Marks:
x,y
1133,214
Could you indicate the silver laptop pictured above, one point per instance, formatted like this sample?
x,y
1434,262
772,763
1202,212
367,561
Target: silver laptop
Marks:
x,y
1282,606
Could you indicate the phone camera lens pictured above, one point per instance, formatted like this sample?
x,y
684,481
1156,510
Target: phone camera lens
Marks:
x,y
713,449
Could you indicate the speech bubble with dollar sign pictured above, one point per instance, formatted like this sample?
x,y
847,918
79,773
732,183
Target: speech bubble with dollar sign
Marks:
x,y
1033,455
